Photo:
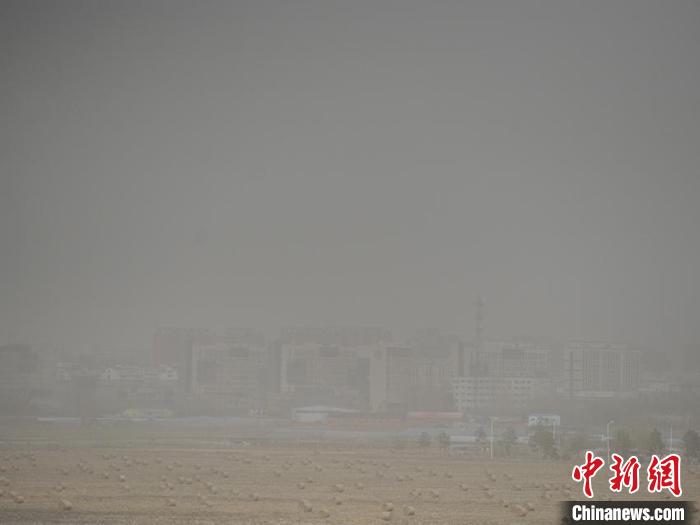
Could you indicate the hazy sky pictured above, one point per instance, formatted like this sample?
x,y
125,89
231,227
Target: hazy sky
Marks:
x,y
267,163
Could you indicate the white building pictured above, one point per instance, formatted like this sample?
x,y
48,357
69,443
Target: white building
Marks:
x,y
139,373
478,392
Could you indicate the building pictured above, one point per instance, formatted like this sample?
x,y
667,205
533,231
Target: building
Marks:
x,y
139,373
514,359
319,413
506,374
331,364
474,393
392,376
229,377
312,373
90,389
381,377
172,346
599,369
431,382
19,377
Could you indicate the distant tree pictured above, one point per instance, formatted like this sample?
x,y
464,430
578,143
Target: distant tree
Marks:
x,y
543,441
509,438
691,440
480,435
623,442
654,442
577,443
424,440
443,440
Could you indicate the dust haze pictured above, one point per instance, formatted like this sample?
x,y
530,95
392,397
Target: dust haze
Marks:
x,y
419,232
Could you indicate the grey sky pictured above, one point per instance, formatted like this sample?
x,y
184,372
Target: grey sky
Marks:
x,y
267,163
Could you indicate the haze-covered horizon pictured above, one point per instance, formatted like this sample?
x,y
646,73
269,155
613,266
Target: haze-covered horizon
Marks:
x,y
262,164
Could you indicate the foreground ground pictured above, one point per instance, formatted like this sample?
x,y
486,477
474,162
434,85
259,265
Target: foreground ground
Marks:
x,y
283,484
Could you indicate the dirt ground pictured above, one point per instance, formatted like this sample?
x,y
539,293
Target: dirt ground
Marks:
x,y
285,485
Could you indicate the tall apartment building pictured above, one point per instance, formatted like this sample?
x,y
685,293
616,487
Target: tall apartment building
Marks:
x,y
599,369
172,346
509,373
379,377
315,373
515,359
229,377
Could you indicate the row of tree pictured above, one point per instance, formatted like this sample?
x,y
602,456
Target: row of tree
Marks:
x,y
543,442
623,443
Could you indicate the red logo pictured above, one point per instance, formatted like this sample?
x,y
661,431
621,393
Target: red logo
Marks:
x,y
625,474
587,471
664,473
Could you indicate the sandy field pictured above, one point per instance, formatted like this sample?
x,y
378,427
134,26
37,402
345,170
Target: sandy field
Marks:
x,y
286,484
